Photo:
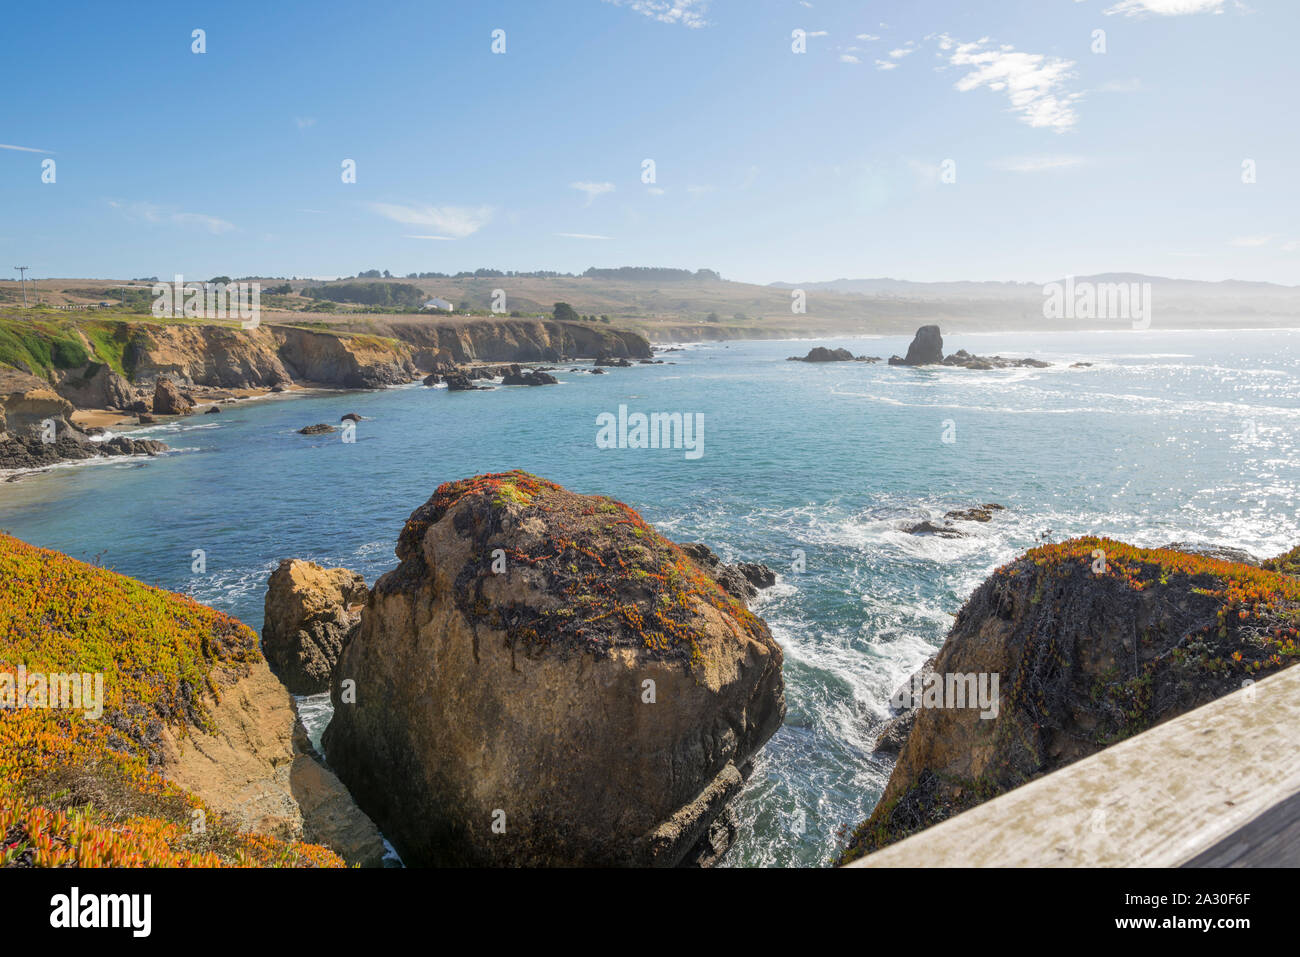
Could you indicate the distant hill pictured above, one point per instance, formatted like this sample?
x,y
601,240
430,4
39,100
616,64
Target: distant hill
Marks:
x,y
681,305
1017,290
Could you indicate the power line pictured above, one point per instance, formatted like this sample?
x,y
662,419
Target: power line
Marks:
x,y
22,274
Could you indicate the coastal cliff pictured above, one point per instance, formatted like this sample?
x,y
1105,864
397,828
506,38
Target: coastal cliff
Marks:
x,y
544,680
1093,641
141,728
117,363
513,340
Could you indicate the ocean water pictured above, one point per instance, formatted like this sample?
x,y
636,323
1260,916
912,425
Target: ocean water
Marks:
x,y
1189,436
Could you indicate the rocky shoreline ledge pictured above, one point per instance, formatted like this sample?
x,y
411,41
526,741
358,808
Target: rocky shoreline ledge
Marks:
x,y
1094,641
37,431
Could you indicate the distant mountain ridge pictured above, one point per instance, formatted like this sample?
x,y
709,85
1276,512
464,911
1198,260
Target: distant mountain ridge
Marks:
x,y
1014,290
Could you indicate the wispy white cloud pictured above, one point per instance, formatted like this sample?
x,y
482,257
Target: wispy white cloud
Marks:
x,y
1035,84
867,36
592,189
581,236
1292,246
689,13
1250,242
886,65
849,58
23,149
1164,8
1037,164
455,221
445,239
161,215
304,121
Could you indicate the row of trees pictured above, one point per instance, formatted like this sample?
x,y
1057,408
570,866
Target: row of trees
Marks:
x,y
564,312
643,273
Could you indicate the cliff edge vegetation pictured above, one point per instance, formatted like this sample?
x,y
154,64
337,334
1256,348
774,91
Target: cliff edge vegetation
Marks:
x,y
87,790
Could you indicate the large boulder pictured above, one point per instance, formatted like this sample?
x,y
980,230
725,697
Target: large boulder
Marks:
x,y
168,400
926,349
545,680
309,613
1090,641
25,413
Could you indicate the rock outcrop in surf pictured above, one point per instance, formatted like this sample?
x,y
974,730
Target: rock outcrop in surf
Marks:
x,y
1092,641
926,349
310,612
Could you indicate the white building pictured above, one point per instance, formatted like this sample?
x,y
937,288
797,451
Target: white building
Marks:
x,y
442,304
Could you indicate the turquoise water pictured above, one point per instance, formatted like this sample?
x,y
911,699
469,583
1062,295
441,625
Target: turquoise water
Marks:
x,y
1168,436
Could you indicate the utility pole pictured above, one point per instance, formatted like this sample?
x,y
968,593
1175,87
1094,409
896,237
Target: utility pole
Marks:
x,y
22,274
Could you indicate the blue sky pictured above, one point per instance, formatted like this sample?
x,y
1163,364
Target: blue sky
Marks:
x,y
770,164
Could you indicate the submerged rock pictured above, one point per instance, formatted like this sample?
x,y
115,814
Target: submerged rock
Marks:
x,y
544,680
927,527
309,613
822,354
967,361
976,513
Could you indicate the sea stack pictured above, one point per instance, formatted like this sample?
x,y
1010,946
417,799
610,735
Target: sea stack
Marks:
x,y
926,349
545,680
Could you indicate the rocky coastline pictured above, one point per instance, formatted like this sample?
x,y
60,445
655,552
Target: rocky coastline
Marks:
x,y
141,371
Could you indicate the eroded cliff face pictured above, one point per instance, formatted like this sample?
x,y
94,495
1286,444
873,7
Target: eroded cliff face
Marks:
x,y
515,340
362,356
594,700
1092,641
